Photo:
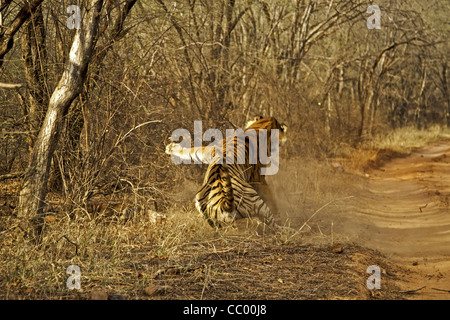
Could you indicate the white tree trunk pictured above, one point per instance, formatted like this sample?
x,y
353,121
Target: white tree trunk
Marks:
x,y
34,188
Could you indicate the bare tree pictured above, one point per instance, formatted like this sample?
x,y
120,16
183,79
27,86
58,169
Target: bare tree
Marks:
x,y
32,194
34,54
445,88
7,33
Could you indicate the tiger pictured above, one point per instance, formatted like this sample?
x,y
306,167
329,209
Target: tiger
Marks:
x,y
228,192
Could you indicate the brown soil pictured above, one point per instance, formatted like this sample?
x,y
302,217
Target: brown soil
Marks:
x,y
402,210
260,270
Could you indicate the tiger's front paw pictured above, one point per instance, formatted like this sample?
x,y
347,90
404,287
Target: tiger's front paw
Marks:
x,y
169,148
172,148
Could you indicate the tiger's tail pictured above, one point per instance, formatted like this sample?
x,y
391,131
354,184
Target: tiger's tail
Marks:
x,y
215,199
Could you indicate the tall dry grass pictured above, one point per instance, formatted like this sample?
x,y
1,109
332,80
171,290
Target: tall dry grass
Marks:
x,y
110,252
408,138
399,141
122,255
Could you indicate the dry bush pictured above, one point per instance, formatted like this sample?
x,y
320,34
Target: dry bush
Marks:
x,y
103,247
398,142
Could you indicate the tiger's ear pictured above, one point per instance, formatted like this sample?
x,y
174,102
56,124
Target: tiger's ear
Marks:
x,y
250,122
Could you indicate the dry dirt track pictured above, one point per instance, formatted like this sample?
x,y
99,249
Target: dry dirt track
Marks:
x,y
402,210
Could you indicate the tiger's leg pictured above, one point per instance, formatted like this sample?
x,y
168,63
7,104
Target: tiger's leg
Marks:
x,y
266,194
194,154
249,204
201,202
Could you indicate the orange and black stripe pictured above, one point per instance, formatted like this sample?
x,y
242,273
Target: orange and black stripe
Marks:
x,y
227,193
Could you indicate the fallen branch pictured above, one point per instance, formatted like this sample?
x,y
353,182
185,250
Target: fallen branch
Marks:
x,y
423,207
11,176
71,242
443,290
11,85
412,291
316,212
320,209
174,270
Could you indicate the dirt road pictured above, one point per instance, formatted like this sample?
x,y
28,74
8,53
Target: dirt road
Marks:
x,y
402,210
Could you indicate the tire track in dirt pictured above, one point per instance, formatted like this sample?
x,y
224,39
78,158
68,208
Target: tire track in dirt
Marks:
x,y
402,210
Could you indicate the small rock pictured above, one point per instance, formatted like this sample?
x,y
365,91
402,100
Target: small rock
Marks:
x,y
337,248
5,210
337,166
50,219
154,289
99,294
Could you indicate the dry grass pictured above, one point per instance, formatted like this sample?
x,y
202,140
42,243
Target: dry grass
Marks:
x,y
397,143
190,260
183,255
407,139
104,249
184,258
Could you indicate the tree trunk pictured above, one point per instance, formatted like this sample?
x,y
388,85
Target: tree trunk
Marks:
x,y
34,54
7,33
366,115
447,112
34,188
328,115
446,94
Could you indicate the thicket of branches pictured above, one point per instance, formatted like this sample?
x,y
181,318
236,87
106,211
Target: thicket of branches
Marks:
x,y
159,65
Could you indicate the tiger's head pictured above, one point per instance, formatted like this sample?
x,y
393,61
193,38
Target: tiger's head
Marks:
x,y
268,124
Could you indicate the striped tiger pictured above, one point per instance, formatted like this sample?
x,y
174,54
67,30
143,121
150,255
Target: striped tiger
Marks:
x,y
229,187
